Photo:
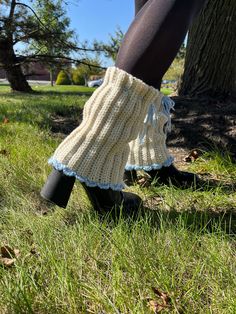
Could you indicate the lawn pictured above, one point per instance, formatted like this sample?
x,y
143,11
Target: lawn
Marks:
x,y
179,257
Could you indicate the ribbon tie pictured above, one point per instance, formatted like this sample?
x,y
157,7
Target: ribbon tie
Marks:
x,y
152,116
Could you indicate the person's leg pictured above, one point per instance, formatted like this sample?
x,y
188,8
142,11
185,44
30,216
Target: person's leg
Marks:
x,y
140,3
154,38
159,60
97,151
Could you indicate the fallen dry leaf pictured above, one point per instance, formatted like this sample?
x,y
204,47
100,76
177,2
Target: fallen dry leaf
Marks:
x,y
8,256
4,152
161,304
192,156
33,251
8,252
163,295
5,120
156,307
144,182
7,262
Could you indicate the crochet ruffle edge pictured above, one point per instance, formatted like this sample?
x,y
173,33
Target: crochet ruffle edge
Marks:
x,y
155,166
71,173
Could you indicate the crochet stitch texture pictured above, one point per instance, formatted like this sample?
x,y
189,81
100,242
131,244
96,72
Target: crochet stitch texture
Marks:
x,y
148,151
96,152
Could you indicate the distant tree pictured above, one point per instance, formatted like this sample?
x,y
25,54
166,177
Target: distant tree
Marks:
x,y
77,78
175,71
111,48
50,37
63,78
182,52
210,66
91,67
52,14
15,26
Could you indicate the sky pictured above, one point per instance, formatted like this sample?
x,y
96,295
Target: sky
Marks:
x,y
96,19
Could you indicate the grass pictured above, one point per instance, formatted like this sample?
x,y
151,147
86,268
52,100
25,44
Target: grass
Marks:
x,y
71,261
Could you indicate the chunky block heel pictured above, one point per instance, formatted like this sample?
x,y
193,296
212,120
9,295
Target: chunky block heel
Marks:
x,y
58,188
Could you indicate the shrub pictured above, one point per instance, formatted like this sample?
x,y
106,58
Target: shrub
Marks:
x,y
77,78
63,78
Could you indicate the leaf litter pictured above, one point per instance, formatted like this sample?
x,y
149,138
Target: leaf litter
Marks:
x,y
161,303
8,256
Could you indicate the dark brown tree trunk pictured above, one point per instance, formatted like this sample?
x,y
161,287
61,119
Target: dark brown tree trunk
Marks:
x,y
51,76
17,79
13,70
210,64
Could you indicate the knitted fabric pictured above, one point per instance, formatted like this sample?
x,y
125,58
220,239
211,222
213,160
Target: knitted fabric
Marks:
x,y
96,152
148,151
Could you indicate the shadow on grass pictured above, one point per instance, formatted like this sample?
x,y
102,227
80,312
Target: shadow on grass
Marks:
x,y
194,221
226,188
64,93
205,221
57,114
9,94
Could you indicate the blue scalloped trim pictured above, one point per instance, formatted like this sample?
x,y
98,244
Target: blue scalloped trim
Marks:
x,y
68,172
166,163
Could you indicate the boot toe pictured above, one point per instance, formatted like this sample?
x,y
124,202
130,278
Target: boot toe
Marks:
x,y
131,201
187,179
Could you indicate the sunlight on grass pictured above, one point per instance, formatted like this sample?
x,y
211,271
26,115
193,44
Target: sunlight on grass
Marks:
x,y
72,261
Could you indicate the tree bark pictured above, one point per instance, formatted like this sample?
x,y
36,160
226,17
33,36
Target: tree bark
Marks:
x,y
210,64
51,76
17,79
14,73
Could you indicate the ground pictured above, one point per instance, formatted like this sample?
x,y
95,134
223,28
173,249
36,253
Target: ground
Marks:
x,y
178,257
204,125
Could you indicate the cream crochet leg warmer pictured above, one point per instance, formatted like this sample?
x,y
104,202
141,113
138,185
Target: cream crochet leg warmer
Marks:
x,y
96,152
148,151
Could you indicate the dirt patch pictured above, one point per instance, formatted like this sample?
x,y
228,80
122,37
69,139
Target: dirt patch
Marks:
x,y
63,124
202,124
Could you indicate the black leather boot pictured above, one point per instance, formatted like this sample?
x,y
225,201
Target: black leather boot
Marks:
x,y
168,176
58,188
107,200
172,176
130,177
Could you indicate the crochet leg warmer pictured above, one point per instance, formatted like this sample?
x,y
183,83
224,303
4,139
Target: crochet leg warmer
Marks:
x,y
148,151
96,152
